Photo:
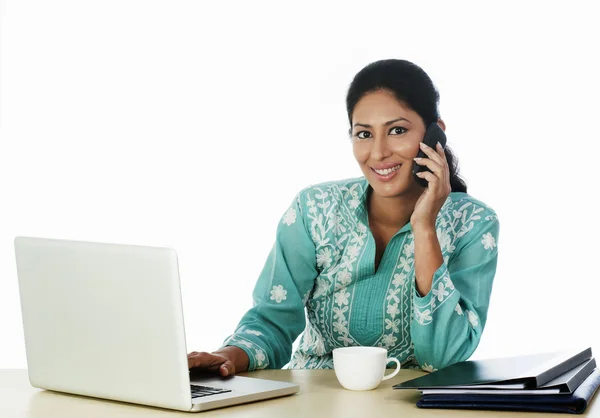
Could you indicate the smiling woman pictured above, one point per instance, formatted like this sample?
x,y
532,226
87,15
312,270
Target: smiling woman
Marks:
x,y
378,260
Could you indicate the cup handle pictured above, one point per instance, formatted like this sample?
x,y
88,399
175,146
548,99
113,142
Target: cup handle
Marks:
x,y
395,372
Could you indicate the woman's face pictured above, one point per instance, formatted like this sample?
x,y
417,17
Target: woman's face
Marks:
x,y
385,137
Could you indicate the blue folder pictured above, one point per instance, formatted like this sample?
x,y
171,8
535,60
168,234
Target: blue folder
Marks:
x,y
575,403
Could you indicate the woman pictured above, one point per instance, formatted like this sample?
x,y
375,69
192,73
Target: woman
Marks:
x,y
379,260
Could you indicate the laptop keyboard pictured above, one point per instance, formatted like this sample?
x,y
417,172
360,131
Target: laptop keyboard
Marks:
x,y
202,391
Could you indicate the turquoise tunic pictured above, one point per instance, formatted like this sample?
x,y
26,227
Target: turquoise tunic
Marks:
x,y
320,278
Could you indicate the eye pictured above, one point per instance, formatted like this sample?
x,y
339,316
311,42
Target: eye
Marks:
x,y
398,130
363,135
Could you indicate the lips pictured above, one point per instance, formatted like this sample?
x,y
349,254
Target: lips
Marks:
x,y
386,171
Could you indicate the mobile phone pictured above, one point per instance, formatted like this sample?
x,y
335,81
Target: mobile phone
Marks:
x,y
433,135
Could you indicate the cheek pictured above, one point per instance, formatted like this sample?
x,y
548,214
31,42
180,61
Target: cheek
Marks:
x,y
360,153
406,149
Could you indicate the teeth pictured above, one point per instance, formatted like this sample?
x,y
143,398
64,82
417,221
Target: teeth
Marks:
x,y
387,171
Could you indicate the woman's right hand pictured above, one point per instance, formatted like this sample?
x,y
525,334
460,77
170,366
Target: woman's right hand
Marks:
x,y
226,362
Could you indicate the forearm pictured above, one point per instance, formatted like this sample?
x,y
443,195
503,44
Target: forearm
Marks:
x,y
237,356
446,328
428,257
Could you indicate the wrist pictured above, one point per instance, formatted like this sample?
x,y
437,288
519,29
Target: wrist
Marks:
x,y
236,355
423,228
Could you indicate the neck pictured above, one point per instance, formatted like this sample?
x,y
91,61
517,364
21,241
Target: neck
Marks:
x,y
392,212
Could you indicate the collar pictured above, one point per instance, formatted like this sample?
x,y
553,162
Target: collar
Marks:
x,y
359,200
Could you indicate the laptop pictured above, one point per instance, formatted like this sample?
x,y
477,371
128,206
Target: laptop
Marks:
x,y
105,321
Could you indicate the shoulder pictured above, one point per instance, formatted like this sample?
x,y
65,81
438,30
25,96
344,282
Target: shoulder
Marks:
x,y
461,205
335,191
465,219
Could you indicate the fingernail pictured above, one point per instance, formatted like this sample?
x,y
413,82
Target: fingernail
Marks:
x,y
418,159
423,145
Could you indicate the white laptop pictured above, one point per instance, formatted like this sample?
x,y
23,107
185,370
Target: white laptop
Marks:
x,y
106,321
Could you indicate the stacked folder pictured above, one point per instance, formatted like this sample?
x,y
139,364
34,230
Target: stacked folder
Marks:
x,y
549,382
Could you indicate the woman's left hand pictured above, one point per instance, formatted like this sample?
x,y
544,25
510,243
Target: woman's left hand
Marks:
x,y
431,201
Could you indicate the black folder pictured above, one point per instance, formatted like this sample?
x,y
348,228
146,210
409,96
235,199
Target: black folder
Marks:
x,y
522,372
575,403
565,383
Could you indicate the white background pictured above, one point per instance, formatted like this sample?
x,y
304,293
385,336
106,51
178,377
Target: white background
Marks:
x,y
193,124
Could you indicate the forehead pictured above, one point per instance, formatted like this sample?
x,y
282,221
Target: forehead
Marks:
x,y
380,105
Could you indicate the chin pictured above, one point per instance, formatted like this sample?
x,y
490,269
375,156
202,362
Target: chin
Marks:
x,y
399,187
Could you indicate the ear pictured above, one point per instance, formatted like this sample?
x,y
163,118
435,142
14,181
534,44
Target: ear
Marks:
x,y
442,124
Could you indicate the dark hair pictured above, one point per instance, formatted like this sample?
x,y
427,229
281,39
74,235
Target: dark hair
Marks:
x,y
410,85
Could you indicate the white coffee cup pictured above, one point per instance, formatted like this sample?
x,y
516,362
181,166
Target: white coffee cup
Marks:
x,y
362,368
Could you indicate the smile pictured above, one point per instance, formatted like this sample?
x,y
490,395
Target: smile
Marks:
x,y
387,171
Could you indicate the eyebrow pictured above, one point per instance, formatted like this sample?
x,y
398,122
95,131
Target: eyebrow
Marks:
x,y
364,125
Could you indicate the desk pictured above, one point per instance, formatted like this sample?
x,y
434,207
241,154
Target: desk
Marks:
x,y
320,396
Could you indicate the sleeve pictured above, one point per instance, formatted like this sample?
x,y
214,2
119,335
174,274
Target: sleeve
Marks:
x,y
267,331
447,322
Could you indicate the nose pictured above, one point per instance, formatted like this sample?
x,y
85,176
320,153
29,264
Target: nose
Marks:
x,y
380,149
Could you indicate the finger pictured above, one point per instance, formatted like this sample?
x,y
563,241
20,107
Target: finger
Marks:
x,y
227,369
432,165
205,361
445,166
440,151
195,359
431,153
430,177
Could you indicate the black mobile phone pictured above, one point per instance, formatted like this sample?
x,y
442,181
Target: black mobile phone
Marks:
x,y
433,135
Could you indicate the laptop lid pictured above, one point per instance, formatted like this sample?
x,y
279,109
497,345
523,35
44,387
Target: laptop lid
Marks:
x,y
104,320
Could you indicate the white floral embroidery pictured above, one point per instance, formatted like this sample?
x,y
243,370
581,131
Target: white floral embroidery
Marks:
x,y
344,277
389,340
324,258
339,326
458,309
424,316
358,238
405,263
312,339
393,310
336,224
393,325
472,316
445,240
311,206
341,298
251,331
409,249
340,312
278,294
300,359
245,343
260,357
393,295
488,241
290,217
399,279
428,368
353,251
440,292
